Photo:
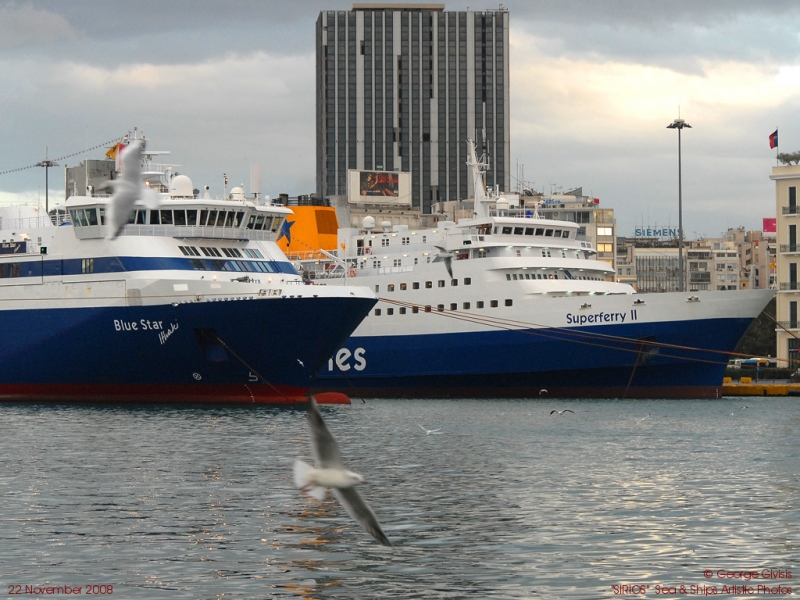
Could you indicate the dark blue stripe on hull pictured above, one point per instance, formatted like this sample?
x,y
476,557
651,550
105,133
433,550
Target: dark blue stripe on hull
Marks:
x,y
566,362
180,344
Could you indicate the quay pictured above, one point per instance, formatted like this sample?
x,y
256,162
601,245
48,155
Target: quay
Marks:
x,y
746,387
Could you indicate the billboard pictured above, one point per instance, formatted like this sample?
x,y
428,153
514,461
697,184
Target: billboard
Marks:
x,y
378,187
769,225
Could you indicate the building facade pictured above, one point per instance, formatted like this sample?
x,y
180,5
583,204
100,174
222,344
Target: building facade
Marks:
x,y
400,87
787,182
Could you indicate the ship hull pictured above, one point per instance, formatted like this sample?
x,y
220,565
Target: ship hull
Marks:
x,y
236,351
658,355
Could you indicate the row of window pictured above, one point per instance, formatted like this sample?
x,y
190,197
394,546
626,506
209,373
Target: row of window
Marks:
x,y
538,231
428,285
523,276
87,217
441,307
229,252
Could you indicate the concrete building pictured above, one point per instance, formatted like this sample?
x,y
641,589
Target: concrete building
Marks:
x,y
400,87
787,181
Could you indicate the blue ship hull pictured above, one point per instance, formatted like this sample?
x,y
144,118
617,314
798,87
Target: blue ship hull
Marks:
x,y
260,350
678,359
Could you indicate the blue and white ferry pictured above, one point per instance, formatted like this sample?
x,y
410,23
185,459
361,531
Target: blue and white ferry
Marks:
x,y
191,302
507,304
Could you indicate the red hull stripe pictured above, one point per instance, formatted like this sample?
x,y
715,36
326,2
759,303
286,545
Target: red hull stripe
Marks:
x,y
166,394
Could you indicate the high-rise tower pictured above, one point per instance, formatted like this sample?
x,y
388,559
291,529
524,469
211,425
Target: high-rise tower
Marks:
x,y
400,87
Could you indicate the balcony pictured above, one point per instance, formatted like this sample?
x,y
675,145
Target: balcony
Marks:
x,y
790,286
787,324
789,248
790,210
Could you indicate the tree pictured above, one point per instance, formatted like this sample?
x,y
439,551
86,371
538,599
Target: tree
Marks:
x,y
789,158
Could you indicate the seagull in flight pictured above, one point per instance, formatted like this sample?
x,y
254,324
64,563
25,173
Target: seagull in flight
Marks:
x,y
447,257
330,472
128,190
561,412
431,431
302,364
543,391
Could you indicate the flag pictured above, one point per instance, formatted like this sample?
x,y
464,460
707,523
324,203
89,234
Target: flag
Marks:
x,y
113,152
773,139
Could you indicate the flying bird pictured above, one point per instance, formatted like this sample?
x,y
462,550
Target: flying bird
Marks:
x,y
330,472
431,431
128,190
542,391
561,412
447,257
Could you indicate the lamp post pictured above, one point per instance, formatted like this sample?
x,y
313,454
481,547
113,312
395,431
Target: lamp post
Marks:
x,y
680,124
47,164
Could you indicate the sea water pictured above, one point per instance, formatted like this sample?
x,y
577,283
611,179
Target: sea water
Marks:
x,y
618,499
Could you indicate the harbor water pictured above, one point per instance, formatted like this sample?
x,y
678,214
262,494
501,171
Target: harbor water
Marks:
x,y
635,499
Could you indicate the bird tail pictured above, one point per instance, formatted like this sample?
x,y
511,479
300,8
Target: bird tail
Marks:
x,y
304,480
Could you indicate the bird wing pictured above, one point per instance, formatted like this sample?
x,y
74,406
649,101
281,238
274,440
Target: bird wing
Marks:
x,y
326,450
568,410
132,162
357,508
552,411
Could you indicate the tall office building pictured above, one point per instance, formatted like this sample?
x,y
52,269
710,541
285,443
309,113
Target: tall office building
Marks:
x,y
401,87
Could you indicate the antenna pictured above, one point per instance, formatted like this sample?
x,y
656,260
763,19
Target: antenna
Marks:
x,y
46,163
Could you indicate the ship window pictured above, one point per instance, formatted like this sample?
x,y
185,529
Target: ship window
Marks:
x,y
517,230
377,312
539,231
229,217
390,287
440,307
402,310
493,303
453,306
180,217
191,218
509,302
506,230
548,233
73,214
565,234
454,282
415,285
276,223
557,233
166,217
184,250
91,216
197,265
251,221
238,219
428,308
389,311
415,309
212,218
467,280
479,304
260,222
465,305
377,289
514,276
529,231
403,287
203,217
87,265
441,283
428,284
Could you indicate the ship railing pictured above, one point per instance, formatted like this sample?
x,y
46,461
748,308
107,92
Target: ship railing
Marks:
x,y
175,231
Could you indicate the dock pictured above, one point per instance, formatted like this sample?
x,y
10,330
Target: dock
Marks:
x,y
749,388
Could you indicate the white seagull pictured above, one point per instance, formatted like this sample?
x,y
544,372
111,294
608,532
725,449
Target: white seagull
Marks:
x,y
447,257
561,412
431,431
330,472
128,190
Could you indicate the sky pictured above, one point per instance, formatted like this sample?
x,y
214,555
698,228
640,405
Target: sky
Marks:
x,y
222,85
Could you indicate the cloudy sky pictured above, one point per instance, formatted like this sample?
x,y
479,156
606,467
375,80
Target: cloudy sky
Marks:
x,y
593,86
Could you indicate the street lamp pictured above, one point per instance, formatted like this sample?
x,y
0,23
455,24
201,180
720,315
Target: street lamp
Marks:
x,y
680,124
47,164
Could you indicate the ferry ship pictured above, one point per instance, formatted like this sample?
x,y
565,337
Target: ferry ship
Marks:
x,y
508,304
189,301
